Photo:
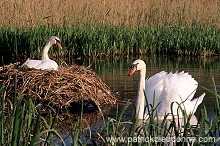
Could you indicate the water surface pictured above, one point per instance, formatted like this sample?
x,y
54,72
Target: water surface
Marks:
x,y
114,73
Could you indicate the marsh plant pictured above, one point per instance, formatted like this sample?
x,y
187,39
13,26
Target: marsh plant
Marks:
x,y
23,13
23,124
106,41
154,130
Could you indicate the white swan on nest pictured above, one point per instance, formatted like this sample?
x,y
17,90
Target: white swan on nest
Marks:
x,y
46,62
164,89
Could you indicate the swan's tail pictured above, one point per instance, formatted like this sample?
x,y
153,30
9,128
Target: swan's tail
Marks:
x,y
195,103
24,63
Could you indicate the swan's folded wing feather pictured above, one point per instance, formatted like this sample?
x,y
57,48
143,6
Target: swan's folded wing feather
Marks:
x,y
191,106
170,87
47,64
31,63
154,86
181,86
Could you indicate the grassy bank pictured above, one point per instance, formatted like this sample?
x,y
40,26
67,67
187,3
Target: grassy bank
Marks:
x,y
95,41
97,27
115,12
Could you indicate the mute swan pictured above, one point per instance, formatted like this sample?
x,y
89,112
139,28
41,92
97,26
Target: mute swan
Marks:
x,y
46,62
164,88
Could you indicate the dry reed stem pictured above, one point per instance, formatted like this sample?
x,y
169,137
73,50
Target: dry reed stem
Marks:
x,y
128,12
59,88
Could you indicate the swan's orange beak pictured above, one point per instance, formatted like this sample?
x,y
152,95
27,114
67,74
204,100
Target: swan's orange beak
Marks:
x,y
59,45
133,69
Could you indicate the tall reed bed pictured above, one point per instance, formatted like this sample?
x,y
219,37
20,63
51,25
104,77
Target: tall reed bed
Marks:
x,y
110,41
115,12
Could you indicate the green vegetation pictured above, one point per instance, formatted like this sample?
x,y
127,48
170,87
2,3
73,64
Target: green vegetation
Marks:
x,y
110,41
98,29
22,124
93,28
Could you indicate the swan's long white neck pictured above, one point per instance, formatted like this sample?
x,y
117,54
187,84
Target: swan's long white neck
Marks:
x,y
45,51
140,102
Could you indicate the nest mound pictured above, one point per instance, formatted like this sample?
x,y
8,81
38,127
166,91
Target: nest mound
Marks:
x,y
60,88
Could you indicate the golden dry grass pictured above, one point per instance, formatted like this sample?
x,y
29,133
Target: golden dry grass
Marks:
x,y
114,12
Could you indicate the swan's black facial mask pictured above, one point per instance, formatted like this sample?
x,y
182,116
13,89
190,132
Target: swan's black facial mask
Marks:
x,y
57,40
134,66
133,69
58,43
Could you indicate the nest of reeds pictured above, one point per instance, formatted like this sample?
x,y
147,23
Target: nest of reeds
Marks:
x,y
61,88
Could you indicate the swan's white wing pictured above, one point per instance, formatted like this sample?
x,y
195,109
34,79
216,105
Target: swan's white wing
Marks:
x,y
173,87
154,86
47,64
184,85
31,63
191,106
40,64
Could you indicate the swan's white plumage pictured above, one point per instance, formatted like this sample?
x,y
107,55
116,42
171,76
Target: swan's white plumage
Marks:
x,y
165,88
46,62
172,87
41,64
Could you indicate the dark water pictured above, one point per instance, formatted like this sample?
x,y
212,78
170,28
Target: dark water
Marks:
x,y
114,73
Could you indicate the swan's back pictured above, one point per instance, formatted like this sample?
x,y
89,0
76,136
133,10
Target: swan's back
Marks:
x,y
47,64
166,88
40,64
29,63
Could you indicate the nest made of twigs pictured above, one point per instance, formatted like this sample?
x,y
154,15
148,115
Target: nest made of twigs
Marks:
x,y
60,88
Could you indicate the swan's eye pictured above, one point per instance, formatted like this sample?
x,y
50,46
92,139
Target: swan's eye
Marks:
x,y
57,40
134,66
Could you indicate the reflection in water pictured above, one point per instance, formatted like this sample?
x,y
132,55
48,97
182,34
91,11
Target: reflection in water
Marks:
x,y
114,74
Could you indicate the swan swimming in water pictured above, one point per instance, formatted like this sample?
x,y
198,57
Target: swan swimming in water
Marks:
x,y
46,62
164,89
